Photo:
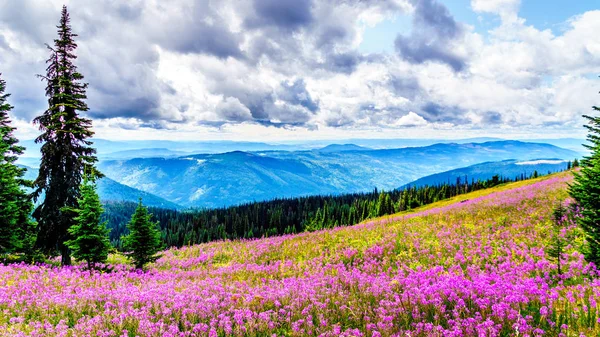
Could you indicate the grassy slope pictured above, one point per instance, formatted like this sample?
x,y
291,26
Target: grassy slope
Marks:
x,y
468,268
361,235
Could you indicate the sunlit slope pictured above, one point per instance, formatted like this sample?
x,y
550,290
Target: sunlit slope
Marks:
x,y
471,268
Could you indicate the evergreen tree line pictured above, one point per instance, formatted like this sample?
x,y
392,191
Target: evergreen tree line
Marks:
x,y
67,218
289,215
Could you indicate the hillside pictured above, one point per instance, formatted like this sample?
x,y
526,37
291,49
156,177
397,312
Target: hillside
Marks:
x,y
506,168
110,190
475,267
216,180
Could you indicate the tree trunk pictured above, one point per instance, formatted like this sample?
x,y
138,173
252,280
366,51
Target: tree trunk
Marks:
x,y
66,255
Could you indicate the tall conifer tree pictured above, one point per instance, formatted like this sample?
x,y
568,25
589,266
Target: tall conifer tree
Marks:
x,y
586,190
90,236
66,149
15,204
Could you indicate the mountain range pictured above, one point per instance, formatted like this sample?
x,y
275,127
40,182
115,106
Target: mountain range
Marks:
x,y
216,180
484,171
111,149
110,190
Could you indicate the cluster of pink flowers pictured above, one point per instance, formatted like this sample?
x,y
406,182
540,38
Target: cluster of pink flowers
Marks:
x,y
473,268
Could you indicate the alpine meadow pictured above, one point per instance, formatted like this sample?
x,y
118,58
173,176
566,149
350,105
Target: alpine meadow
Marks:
x,y
289,168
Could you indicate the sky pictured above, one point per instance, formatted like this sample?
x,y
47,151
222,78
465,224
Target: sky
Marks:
x,y
274,70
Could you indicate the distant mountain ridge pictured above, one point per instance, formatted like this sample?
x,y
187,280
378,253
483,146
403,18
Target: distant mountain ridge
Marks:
x,y
342,148
507,168
110,190
215,180
110,149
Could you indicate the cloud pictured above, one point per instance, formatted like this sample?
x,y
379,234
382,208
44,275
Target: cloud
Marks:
x,y
411,120
507,9
195,27
286,15
491,118
286,66
434,112
433,34
295,93
231,109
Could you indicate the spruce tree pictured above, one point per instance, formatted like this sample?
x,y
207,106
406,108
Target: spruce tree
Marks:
x,y
15,205
556,249
586,190
66,149
90,241
144,238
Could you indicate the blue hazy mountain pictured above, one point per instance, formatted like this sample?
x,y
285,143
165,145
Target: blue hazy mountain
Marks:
x,y
214,180
110,190
109,149
506,168
142,153
342,148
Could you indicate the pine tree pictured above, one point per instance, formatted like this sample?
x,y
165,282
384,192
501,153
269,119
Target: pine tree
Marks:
x,y
557,243
381,205
586,190
15,205
90,241
143,240
66,150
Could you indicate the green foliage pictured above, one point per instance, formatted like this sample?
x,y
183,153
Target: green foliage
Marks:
x,y
385,205
144,238
586,190
90,241
66,150
556,249
288,215
16,227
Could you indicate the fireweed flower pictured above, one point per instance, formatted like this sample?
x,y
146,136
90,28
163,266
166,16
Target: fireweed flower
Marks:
x,y
476,268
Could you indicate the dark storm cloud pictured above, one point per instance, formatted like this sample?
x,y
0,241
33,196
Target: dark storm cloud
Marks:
x,y
29,18
433,31
204,39
287,15
232,110
436,113
296,94
314,30
343,63
117,60
330,35
491,118
290,103
199,29
143,108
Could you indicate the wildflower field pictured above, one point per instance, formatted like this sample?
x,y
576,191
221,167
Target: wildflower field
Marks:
x,y
472,266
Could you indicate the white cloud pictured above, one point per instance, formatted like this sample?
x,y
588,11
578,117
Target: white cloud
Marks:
x,y
411,120
507,9
219,70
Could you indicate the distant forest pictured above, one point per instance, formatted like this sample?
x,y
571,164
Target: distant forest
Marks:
x,y
290,215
